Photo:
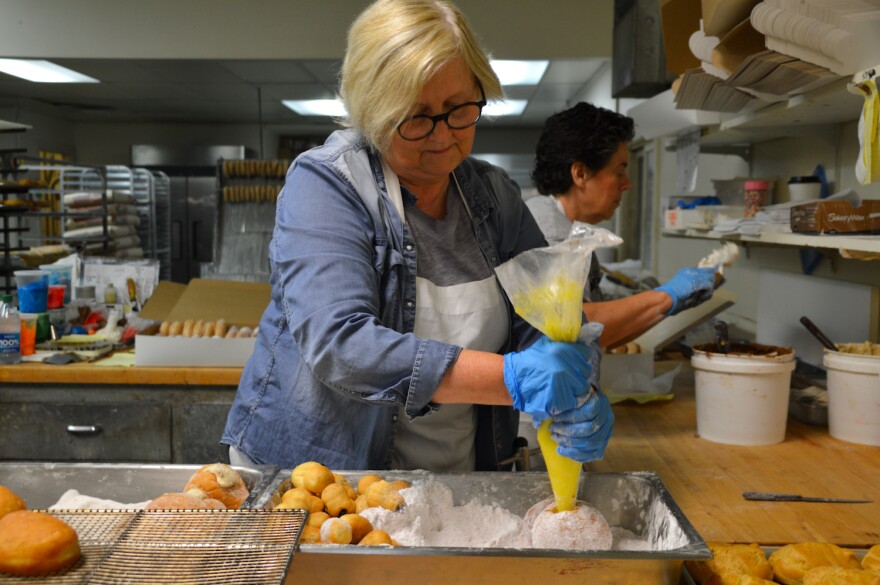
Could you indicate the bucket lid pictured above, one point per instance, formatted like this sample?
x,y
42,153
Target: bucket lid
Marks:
x,y
742,364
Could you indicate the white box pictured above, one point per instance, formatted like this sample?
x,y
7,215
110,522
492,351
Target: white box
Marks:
x,y
153,350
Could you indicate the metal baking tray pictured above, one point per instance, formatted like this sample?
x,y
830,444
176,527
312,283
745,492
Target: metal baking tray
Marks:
x,y
638,502
41,484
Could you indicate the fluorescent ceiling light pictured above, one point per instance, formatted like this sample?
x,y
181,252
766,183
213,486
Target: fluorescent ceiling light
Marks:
x,y
505,108
316,107
519,72
43,71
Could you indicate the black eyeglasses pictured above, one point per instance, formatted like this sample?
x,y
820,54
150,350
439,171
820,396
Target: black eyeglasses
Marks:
x,y
458,118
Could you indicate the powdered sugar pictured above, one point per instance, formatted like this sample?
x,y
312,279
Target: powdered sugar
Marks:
x,y
430,518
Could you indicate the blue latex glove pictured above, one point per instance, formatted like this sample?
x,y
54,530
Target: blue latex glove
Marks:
x,y
688,288
548,377
583,432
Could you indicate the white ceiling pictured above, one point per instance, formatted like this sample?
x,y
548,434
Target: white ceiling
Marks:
x,y
242,91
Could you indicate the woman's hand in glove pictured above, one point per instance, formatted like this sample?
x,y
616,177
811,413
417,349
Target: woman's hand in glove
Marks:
x,y
688,288
548,377
583,432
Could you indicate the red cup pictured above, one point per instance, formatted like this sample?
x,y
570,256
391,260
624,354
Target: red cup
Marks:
x,y
56,296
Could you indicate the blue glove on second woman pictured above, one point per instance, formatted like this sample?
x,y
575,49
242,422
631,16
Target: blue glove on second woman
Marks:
x,y
583,432
688,288
548,377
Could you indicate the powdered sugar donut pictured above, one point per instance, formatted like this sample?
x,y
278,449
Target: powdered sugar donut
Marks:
x,y
583,528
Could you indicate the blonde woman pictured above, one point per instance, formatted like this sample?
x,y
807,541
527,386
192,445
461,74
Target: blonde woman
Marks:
x,y
388,342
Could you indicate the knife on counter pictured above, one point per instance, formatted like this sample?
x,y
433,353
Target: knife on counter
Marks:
x,y
770,497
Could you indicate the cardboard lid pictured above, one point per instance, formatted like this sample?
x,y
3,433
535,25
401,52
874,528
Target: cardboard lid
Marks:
x,y
239,303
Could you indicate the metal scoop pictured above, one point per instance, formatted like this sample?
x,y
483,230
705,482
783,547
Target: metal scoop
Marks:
x,y
823,339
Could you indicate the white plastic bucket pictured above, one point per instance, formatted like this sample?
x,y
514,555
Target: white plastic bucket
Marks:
x,y
853,397
742,399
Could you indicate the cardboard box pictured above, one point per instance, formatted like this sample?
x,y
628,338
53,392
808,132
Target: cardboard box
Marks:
x,y
680,19
239,303
836,217
703,217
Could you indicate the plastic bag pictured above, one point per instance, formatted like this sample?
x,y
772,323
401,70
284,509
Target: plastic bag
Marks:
x,y
546,285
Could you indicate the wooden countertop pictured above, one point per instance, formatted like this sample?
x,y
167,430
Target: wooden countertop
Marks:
x,y
707,479
82,373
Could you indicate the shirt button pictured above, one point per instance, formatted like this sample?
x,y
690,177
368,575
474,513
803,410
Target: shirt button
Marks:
x,y
409,247
409,304
494,259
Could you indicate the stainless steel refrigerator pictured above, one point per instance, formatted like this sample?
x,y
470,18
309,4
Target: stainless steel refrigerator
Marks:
x,y
195,199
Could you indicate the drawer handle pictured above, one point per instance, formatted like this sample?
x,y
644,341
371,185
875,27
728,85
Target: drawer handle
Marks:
x,y
85,430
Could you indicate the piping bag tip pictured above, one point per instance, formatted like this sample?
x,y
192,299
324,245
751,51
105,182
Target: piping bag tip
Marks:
x,y
565,473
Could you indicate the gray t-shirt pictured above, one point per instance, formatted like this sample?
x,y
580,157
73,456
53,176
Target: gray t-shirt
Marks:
x,y
555,225
458,301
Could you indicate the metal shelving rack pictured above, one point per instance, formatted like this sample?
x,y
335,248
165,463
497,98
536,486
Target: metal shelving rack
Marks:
x,y
144,189
10,218
162,207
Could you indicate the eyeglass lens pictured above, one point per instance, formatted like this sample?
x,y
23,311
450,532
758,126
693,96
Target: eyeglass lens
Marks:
x,y
458,118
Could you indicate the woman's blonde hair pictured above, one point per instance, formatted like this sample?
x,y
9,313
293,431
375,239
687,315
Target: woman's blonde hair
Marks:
x,y
394,48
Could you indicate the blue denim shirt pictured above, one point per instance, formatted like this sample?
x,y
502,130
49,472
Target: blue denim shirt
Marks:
x,y
336,356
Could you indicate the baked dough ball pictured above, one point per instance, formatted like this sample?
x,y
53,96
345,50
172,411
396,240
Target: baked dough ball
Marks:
x,y
729,563
871,560
360,526
312,476
377,538
164,327
752,580
175,329
380,493
301,499
208,329
220,482
792,561
177,501
583,528
220,328
188,327
840,576
34,543
336,531
9,502
366,481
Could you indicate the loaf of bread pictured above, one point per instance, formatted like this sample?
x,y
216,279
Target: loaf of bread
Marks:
x,y
791,562
729,562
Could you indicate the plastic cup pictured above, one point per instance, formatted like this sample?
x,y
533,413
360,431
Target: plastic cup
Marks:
x,y
55,299
60,274
33,290
28,334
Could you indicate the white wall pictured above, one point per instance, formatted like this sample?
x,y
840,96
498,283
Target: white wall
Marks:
x,y
836,151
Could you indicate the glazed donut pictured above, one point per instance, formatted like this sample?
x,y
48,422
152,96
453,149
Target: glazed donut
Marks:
x,y
188,326
164,327
176,502
245,332
9,502
231,332
220,328
175,329
198,328
34,543
220,482
208,329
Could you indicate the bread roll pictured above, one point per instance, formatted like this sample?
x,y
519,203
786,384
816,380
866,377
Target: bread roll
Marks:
x,y
34,543
840,576
792,561
220,482
9,502
164,327
177,501
871,560
220,328
175,329
188,327
730,562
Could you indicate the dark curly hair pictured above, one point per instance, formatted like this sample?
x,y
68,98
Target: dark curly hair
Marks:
x,y
584,133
